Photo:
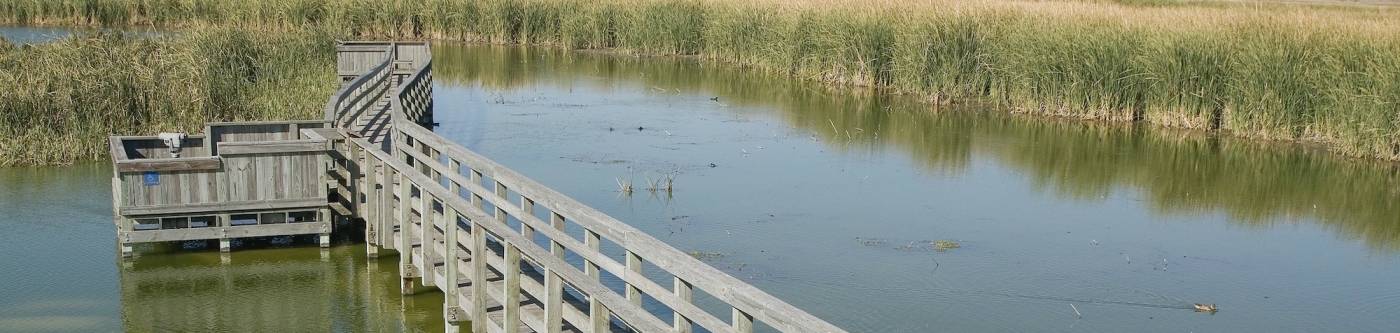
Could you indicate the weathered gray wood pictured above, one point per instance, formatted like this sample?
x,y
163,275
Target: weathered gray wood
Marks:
x,y
593,259
171,164
743,322
114,147
272,147
223,206
260,230
405,242
634,265
726,288
478,272
636,317
684,293
425,235
327,134
511,302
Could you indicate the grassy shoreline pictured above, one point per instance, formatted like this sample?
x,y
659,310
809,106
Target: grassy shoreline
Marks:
x,y
1325,75
63,99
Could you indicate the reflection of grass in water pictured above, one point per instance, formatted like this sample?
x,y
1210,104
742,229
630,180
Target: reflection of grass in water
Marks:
x,y
1178,172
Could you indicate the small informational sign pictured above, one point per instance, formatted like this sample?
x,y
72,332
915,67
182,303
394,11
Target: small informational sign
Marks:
x,y
150,178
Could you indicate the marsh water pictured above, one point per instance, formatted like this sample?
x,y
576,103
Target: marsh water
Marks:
x,y
20,35
829,199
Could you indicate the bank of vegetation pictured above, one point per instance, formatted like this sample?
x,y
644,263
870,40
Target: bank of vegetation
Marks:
x,y
61,100
1324,75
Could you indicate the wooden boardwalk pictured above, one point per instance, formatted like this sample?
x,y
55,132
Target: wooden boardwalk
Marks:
x,y
509,254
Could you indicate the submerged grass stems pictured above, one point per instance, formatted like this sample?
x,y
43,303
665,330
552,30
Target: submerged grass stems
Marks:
x,y
62,99
1328,75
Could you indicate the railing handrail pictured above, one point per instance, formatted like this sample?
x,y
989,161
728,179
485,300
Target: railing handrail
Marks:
x,y
333,108
722,286
616,304
727,288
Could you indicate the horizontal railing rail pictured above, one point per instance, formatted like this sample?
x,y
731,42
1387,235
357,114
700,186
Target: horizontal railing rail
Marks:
x,y
355,98
443,184
747,302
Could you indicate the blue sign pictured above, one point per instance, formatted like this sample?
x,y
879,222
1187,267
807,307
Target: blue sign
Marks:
x,y
150,178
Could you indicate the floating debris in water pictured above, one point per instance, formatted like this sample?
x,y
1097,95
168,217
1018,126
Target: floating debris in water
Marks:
x,y
926,245
705,255
945,245
871,241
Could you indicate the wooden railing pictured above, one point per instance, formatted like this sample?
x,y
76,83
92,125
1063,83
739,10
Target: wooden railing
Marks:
x,y
359,97
448,211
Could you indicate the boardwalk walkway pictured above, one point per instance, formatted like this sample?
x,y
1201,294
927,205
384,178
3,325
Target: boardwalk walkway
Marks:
x,y
510,254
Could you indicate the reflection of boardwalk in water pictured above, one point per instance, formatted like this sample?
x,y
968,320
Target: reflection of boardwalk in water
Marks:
x,y
288,290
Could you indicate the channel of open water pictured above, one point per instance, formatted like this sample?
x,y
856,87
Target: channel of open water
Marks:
x,y
878,213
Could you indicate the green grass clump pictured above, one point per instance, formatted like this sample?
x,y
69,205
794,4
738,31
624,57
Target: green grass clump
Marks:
x,y
1324,74
64,98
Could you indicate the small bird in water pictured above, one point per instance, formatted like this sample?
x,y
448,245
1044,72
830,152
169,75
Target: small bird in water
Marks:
x,y
640,128
1205,308
716,98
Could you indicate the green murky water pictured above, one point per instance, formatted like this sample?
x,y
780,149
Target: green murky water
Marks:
x,y
828,200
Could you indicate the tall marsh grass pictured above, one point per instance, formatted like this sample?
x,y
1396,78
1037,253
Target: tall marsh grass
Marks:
x,y
1328,75
62,99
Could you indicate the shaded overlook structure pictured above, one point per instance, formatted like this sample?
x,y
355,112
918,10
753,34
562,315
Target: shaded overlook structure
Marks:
x,y
508,253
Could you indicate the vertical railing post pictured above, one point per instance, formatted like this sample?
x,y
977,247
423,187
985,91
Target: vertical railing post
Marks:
x,y
456,170
742,322
511,303
634,266
452,310
556,221
553,284
436,155
478,277
384,209
528,206
592,241
370,192
405,242
686,293
475,178
597,313
425,235
449,254
355,169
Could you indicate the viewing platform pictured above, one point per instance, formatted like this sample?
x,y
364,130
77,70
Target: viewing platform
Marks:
x,y
238,179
